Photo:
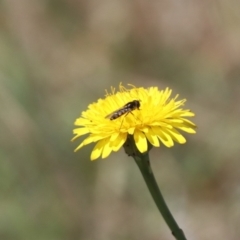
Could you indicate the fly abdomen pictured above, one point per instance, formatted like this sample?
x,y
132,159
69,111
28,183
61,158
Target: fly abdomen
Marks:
x,y
118,113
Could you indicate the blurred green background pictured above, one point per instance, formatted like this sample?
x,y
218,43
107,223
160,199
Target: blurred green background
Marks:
x,y
56,57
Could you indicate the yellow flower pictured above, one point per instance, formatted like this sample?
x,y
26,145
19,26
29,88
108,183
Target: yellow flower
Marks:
x,y
157,120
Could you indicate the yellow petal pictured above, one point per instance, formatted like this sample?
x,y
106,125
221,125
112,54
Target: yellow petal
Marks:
x,y
106,149
163,136
178,120
177,137
117,144
131,130
114,136
80,131
187,114
140,140
97,150
187,129
89,139
84,142
152,137
188,122
81,122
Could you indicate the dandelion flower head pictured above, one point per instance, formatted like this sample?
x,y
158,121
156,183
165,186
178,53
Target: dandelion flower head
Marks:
x,y
157,120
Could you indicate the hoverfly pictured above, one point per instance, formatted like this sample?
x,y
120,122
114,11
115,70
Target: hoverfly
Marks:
x,y
126,109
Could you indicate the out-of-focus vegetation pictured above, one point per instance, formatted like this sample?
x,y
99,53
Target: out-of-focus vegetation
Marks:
x,y
56,57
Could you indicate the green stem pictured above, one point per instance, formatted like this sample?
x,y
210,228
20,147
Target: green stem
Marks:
x,y
142,160
143,163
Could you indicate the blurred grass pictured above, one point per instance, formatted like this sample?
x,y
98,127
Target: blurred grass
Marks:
x,y
56,57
